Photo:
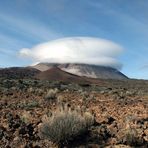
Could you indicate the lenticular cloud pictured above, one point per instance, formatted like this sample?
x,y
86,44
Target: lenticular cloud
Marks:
x,y
85,50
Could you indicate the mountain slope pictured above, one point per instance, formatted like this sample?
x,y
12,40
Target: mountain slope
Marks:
x,y
91,71
56,74
44,66
18,72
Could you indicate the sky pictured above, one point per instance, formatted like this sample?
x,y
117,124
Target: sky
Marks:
x,y
26,25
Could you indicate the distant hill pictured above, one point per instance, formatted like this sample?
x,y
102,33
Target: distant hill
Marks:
x,y
90,71
18,72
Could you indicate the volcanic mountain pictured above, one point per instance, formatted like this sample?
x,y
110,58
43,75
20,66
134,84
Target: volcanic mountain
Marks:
x,y
90,71
56,74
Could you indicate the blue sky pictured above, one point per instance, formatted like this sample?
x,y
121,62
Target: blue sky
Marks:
x,y
26,23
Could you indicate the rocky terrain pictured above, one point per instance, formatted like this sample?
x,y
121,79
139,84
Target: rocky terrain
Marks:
x,y
119,108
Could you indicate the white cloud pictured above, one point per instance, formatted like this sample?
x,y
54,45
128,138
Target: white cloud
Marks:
x,y
86,50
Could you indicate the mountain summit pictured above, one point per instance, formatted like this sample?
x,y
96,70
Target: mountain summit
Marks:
x,y
90,71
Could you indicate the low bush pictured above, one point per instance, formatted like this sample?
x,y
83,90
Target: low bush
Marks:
x,y
132,138
65,124
29,105
51,94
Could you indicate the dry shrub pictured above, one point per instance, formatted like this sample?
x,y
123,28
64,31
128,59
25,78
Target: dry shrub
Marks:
x,y
131,136
51,94
65,124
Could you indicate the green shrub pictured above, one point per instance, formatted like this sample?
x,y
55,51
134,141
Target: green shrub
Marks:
x,y
65,124
32,104
29,105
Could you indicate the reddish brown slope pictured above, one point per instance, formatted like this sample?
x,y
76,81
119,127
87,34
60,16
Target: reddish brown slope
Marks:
x,y
56,74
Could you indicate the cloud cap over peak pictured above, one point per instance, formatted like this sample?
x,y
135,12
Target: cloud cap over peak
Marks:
x,y
87,50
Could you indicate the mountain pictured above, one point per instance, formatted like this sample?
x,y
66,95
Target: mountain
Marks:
x,y
56,74
90,71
